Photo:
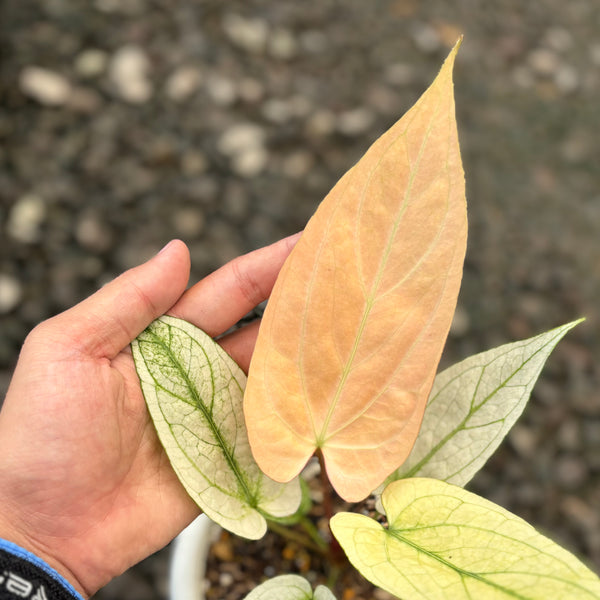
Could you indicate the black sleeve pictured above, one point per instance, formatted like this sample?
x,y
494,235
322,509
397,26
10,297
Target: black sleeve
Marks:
x,y
24,576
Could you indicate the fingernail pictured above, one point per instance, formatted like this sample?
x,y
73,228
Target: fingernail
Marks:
x,y
165,247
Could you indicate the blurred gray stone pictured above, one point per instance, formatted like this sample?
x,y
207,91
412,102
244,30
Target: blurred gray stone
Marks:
x,y
282,111
587,404
571,471
183,82
524,440
277,110
426,38
298,164
188,222
236,202
400,74
569,435
558,38
91,62
523,76
193,162
591,433
313,41
582,513
93,233
567,79
321,123
84,100
251,90
127,7
594,52
282,44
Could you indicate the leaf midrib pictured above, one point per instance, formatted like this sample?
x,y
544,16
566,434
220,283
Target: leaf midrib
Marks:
x,y
199,405
371,299
394,533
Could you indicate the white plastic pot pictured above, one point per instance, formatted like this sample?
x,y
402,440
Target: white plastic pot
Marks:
x,y
188,560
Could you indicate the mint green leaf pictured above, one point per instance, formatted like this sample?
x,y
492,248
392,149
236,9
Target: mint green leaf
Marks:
x,y
303,509
473,405
289,587
194,392
443,543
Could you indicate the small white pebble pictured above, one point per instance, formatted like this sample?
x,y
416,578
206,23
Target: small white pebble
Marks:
x,y
226,580
10,293
25,219
543,61
247,33
282,44
129,71
240,137
356,121
45,86
222,91
250,162
566,79
426,38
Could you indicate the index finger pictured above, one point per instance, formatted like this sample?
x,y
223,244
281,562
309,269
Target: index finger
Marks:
x,y
221,299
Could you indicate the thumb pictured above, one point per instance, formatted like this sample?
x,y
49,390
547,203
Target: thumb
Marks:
x,y
106,322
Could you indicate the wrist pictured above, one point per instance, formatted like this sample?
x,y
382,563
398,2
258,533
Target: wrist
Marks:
x,y
14,541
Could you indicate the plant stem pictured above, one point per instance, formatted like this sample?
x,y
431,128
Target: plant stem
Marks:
x,y
295,536
314,534
337,555
325,488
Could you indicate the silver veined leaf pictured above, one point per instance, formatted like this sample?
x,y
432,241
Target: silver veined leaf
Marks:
x,y
473,405
289,587
194,391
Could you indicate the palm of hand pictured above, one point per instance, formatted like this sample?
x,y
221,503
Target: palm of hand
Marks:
x,y
81,468
90,477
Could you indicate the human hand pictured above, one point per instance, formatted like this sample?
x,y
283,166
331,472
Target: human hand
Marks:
x,y
84,482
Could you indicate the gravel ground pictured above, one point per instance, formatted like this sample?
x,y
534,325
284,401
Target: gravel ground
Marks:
x,y
125,123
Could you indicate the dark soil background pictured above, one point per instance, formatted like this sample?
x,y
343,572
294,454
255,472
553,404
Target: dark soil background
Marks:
x,y
125,123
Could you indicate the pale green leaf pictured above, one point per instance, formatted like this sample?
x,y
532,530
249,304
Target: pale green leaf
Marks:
x,y
289,587
194,392
473,405
444,543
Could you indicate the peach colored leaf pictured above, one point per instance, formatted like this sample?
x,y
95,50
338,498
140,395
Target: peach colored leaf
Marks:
x,y
353,333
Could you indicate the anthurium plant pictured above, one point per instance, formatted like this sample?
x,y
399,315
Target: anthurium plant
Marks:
x,y
345,369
